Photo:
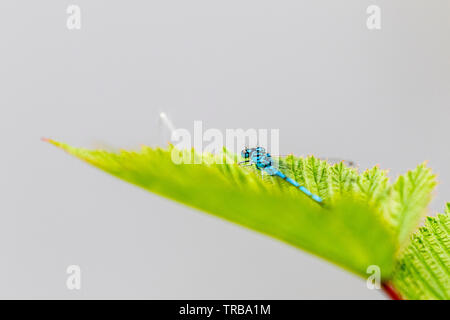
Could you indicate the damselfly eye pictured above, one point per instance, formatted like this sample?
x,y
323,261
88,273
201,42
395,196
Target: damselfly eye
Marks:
x,y
244,153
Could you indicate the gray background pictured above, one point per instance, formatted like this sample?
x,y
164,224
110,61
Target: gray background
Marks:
x,y
310,68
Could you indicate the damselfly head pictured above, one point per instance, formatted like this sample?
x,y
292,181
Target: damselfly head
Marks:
x,y
245,153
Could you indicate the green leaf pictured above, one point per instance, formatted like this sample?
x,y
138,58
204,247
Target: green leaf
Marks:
x,y
423,269
342,179
408,201
348,231
373,185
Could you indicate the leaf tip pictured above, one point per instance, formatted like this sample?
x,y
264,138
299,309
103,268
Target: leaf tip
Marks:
x,y
51,141
57,144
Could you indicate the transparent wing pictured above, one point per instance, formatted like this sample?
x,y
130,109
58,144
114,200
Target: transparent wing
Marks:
x,y
348,163
285,161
